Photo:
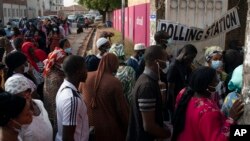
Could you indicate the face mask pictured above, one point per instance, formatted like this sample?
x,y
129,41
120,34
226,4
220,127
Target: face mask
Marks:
x,y
18,124
165,70
216,64
8,26
68,50
55,29
26,68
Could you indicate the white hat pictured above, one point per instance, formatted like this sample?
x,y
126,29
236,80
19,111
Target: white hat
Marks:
x,y
101,41
139,46
17,84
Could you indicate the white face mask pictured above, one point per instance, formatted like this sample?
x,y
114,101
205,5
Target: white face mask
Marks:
x,y
165,70
26,68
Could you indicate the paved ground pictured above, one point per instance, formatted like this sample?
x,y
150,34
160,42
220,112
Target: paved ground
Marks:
x,y
76,40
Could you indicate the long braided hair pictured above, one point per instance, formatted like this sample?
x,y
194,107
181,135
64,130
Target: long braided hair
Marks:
x,y
198,83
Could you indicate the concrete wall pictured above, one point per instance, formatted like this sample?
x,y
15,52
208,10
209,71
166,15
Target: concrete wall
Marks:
x,y
196,13
245,119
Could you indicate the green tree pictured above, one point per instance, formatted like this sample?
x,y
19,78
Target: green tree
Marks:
x,y
103,6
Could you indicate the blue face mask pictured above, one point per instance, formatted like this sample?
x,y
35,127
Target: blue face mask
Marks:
x,y
68,50
216,64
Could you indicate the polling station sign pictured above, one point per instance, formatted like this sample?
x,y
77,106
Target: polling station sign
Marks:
x,y
180,33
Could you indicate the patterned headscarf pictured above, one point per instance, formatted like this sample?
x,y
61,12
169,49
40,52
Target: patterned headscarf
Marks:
x,y
54,57
211,51
38,53
17,84
118,50
108,64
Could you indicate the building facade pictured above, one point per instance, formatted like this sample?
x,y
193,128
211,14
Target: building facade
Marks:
x,y
56,5
52,7
13,9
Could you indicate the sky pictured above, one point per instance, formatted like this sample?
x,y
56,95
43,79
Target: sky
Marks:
x,y
68,2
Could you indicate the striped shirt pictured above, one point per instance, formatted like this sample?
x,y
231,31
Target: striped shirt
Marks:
x,y
71,111
146,98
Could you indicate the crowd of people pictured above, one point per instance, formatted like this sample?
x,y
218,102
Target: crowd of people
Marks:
x,y
50,94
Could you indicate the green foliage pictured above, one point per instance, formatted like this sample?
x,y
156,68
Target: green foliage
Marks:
x,y
101,5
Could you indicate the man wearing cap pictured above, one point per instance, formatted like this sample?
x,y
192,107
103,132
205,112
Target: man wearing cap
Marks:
x,y
134,60
92,61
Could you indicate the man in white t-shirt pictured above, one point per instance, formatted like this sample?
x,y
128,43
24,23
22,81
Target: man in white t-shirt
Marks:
x,y
72,118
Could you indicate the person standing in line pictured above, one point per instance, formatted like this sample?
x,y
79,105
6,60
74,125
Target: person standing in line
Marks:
x,y
53,78
14,113
72,118
213,56
146,120
230,63
92,61
125,74
178,74
107,107
197,117
40,128
135,60
162,39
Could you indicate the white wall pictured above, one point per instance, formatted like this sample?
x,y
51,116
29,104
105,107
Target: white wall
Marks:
x,y
46,4
197,13
32,8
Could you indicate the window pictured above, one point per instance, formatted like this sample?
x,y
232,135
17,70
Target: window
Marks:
x,y
13,12
20,13
24,12
17,14
9,12
5,12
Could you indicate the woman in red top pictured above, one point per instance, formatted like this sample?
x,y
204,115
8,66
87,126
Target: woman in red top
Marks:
x,y
54,37
35,56
197,117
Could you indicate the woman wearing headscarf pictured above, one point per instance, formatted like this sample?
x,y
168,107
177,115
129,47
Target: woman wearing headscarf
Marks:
x,y
14,113
125,74
235,85
18,65
213,56
53,78
230,63
197,117
107,107
54,37
35,57
40,128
